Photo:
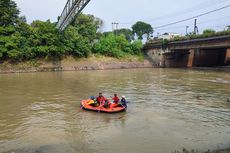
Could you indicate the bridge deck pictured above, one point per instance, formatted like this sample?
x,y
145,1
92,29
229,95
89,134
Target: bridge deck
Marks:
x,y
203,43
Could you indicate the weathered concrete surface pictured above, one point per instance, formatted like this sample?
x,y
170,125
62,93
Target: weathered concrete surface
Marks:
x,y
227,57
205,52
204,43
191,58
176,59
209,57
155,57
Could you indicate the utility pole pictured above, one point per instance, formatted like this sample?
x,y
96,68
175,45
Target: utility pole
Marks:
x,y
158,34
112,26
115,26
187,30
195,27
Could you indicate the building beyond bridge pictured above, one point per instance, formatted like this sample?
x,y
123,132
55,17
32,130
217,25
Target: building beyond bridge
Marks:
x,y
168,36
205,52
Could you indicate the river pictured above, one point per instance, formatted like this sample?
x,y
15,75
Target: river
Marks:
x,y
40,112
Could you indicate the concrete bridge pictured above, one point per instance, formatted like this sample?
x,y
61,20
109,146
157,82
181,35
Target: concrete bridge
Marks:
x,y
204,52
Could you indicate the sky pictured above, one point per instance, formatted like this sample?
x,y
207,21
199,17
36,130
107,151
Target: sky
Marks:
x,y
128,12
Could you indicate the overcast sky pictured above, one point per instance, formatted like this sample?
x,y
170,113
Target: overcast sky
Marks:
x,y
127,12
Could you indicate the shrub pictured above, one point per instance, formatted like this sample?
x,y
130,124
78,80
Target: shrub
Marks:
x,y
209,31
136,47
116,46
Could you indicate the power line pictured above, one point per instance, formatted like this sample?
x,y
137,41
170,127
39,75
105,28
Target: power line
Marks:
x,y
178,13
199,23
191,9
190,18
180,27
207,21
176,27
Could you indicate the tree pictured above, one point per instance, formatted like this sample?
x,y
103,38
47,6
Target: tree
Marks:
x,y
13,31
107,33
136,47
22,19
21,41
87,26
8,12
75,44
116,46
127,32
111,45
141,28
45,40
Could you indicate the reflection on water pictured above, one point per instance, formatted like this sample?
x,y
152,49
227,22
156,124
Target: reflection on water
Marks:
x,y
40,112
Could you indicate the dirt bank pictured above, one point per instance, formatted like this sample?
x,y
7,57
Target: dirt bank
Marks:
x,y
73,64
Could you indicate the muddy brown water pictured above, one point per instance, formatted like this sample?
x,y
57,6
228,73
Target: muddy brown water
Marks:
x,y
40,112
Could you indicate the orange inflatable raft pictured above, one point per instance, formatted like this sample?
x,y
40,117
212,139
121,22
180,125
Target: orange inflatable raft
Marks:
x,y
86,106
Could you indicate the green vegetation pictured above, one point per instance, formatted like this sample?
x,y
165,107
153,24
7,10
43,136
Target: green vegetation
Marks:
x,y
142,28
20,41
164,42
117,46
206,34
127,32
8,12
209,31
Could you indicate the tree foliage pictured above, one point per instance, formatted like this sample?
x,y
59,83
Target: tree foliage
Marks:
x,y
127,32
8,12
74,43
141,28
116,46
21,41
87,26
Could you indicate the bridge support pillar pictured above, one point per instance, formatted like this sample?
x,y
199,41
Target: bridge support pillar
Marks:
x,y
191,58
227,57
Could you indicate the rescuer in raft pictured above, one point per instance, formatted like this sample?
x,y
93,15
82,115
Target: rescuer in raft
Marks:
x,y
123,102
116,101
102,101
92,102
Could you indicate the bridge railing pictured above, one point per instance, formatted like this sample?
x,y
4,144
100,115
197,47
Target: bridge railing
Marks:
x,y
71,10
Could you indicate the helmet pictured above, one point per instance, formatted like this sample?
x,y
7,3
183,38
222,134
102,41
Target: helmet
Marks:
x,y
92,97
122,96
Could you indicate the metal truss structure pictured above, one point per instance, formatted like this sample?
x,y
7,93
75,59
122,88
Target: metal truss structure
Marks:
x,y
71,10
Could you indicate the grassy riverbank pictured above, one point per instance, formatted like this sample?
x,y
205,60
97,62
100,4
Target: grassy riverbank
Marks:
x,y
70,63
